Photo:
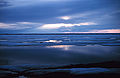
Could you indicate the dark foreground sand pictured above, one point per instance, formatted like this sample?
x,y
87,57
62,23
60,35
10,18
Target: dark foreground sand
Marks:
x,y
65,75
93,70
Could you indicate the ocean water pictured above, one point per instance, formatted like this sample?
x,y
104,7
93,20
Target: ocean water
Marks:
x,y
44,40
58,49
21,52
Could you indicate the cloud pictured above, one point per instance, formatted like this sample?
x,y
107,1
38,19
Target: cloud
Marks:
x,y
32,2
4,3
80,15
15,26
100,31
5,26
65,17
27,23
58,25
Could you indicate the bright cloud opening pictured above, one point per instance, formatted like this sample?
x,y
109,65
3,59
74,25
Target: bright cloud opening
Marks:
x,y
58,25
65,17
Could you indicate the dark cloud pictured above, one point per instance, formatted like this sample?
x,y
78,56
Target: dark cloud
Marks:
x,y
40,12
103,12
4,3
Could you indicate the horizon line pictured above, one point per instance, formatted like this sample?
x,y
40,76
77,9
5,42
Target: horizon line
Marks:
x,y
55,33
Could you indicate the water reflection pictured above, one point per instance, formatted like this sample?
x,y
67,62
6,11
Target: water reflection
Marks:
x,y
54,41
64,47
58,54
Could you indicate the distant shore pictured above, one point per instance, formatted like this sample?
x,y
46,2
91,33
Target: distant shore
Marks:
x,y
62,34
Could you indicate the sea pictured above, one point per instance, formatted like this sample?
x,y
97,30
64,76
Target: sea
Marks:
x,y
46,50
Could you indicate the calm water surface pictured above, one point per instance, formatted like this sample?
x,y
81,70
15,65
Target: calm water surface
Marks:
x,y
58,49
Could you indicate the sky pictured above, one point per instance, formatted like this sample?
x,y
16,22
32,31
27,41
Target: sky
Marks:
x,y
59,16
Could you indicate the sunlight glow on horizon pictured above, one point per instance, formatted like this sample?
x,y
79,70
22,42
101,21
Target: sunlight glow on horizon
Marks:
x,y
58,25
100,31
